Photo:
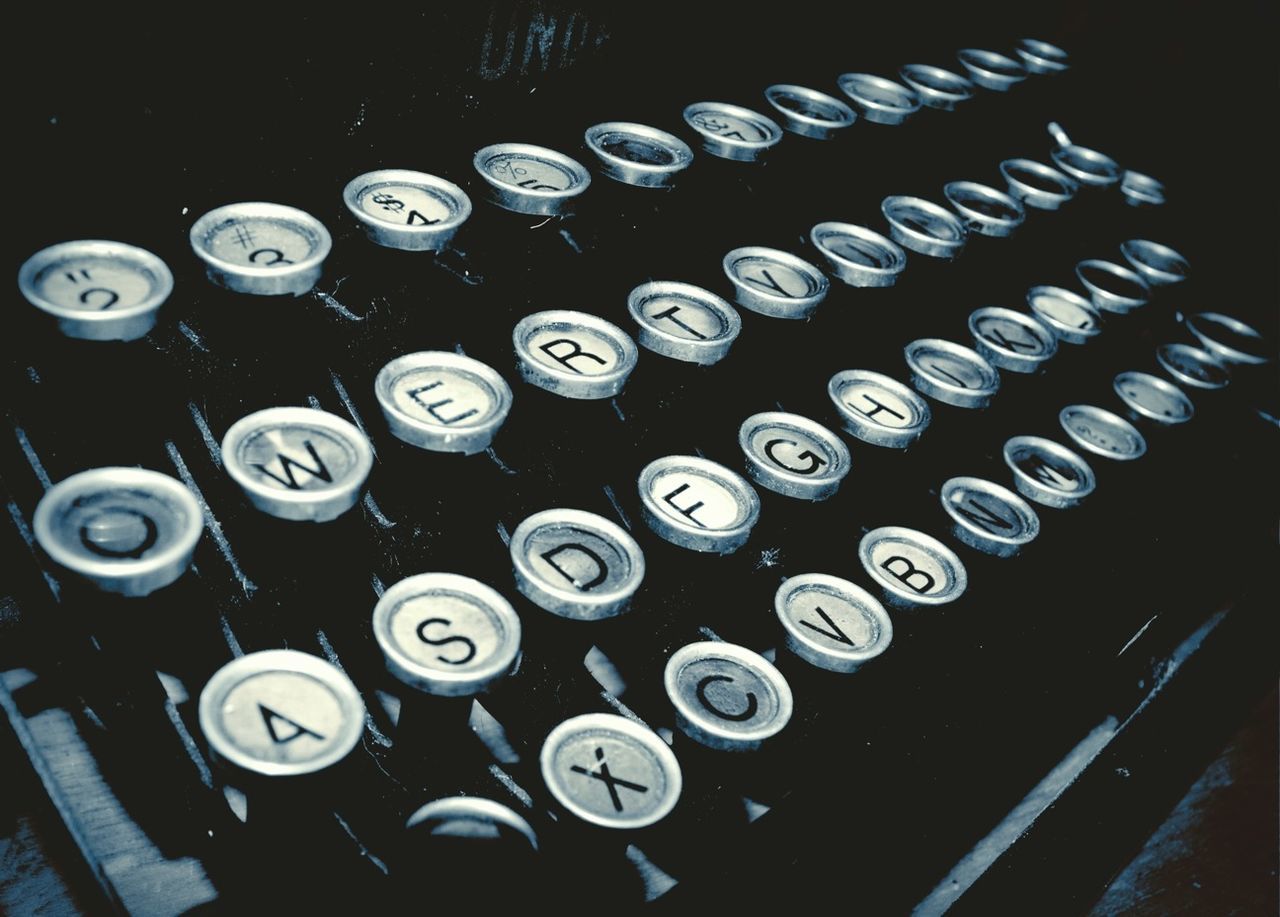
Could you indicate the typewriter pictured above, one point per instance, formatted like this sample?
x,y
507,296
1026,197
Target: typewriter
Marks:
x,y
508,456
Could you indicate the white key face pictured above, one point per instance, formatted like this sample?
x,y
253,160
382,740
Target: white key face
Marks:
x,y
696,499
1064,312
282,717
570,557
96,284
529,173
881,406
1013,337
729,126
684,317
258,242
297,457
444,397
736,697
1050,471
792,450
405,205
579,350
1152,397
775,278
1102,432
832,621
120,523
610,777
902,562
448,632
952,370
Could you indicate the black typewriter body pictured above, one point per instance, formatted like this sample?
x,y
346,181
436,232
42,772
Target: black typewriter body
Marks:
x,y
1004,755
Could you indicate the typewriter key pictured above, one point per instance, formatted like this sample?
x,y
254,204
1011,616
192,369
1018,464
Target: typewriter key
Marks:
x,y
775,283
1141,190
1157,264
97,291
1111,287
831,623
878,409
987,517
1036,184
1072,317
808,112
924,226
879,100
1228,339
859,256
726,696
1089,167
442,402
950,373
576,564
636,154
473,818
263,249
793,456
298,463
1102,432
936,87
1152,398
530,179
1011,340
732,132
574,354
1041,57
126,530
281,713
1047,473
683,322
610,772
991,70
400,208
446,635
698,504
912,568
1192,366
984,209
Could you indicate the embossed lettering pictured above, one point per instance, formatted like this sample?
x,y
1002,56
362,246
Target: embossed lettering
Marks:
x,y
602,569
905,576
431,408
814,461
445,641
741,716
566,359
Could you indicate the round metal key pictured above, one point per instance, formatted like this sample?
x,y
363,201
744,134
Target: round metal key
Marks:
x,y
610,772
1036,184
471,817
1072,317
1042,57
1085,165
639,155
924,227
1102,432
1011,340
832,623
877,99
524,178
1157,264
298,463
1047,473
1151,398
126,530
684,322
808,112
878,409
726,696
912,569
859,256
1192,366
775,283
984,209
442,402
576,564
446,635
936,87
698,504
987,517
262,249
731,131
96,290
951,373
281,713
1141,190
412,211
991,70
1229,340
574,354
1111,287
793,456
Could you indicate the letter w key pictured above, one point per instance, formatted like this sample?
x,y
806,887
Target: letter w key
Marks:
x,y
287,465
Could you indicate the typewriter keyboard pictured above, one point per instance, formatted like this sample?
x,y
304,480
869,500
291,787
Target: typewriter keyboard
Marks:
x,y
563,509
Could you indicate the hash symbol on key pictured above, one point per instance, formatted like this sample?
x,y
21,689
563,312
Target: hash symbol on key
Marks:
x,y
609,780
